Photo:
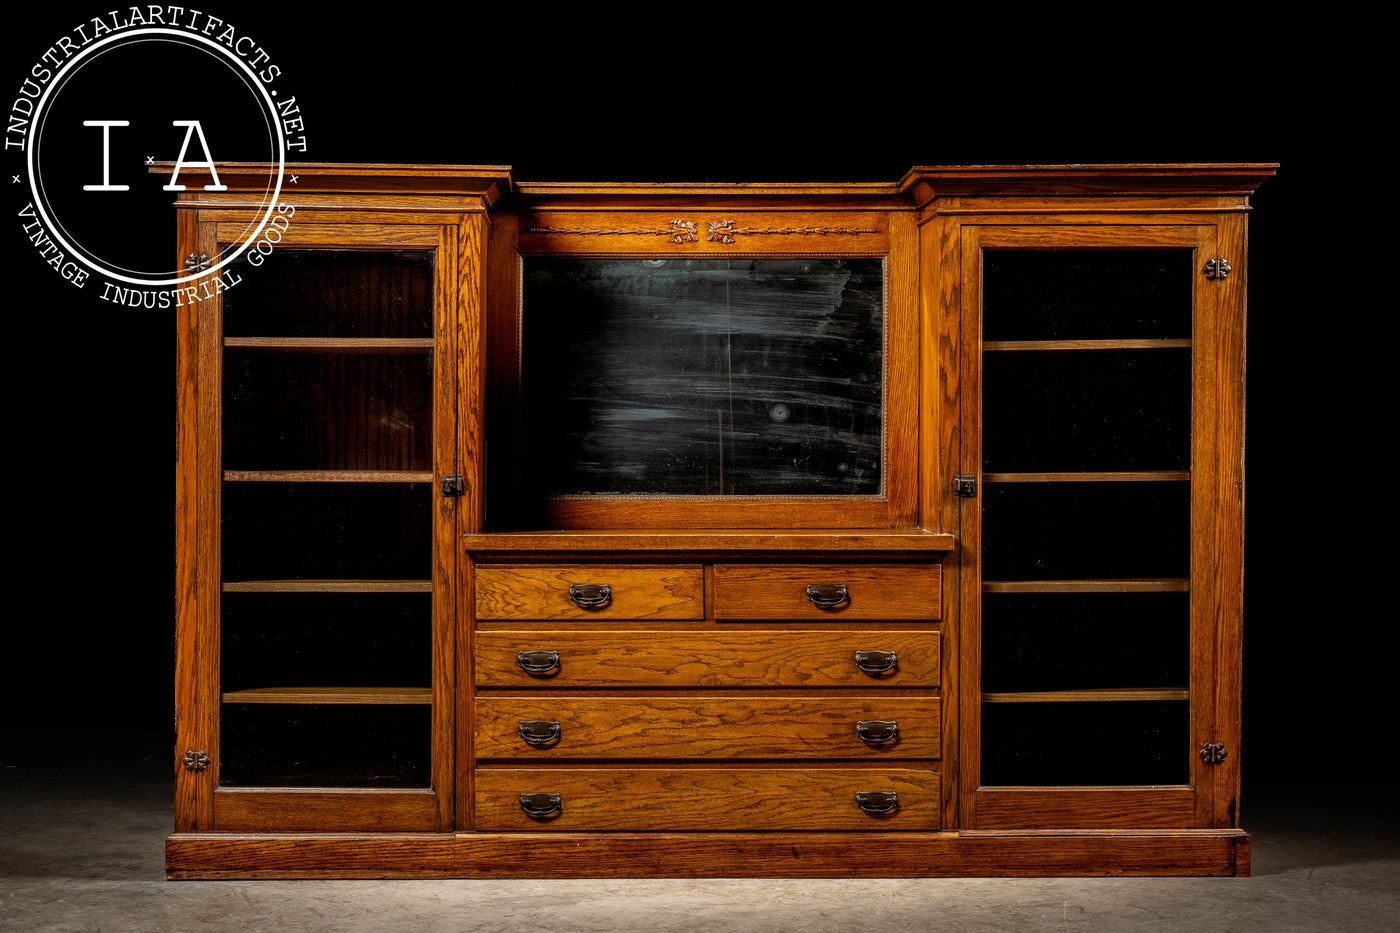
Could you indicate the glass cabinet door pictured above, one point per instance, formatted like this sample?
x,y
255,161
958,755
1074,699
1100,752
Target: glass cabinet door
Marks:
x,y
332,606
1084,704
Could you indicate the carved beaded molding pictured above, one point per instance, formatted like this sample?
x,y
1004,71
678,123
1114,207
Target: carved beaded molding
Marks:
x,y
687,231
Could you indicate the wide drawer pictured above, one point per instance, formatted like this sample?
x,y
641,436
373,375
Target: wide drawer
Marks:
x,y
530,591
868,591
705,799
707,727
707,659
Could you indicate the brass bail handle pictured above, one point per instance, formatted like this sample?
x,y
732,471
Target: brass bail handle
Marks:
x,y
827,595
590,595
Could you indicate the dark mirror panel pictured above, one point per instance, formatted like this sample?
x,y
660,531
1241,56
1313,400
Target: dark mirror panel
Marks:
x,y
1086,410
326,640
1078,641
1146,742
327,411
1057,531
332,293
1068,294
309,745
277,531
703,376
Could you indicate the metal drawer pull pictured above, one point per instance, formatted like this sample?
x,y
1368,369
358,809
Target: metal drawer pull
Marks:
x,y
873,801
590,595
538,663
874,731
541,804
540,731
827,595
875,662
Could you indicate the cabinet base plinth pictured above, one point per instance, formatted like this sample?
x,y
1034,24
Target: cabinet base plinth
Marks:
x,y
714,855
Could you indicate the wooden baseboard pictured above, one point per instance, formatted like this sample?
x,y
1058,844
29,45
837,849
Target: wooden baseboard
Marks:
x,y
718,855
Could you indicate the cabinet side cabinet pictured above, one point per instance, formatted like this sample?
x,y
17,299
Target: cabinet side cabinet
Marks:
x,y
588,530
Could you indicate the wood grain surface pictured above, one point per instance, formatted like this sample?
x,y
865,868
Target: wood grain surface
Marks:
x,y
630,800
707,659
779,591
542,591
706,727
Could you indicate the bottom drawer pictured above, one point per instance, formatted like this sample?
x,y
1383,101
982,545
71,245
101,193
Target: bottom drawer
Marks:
x,y
698,799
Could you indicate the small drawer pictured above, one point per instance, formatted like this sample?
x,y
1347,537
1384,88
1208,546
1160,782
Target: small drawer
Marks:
x,y
827,591
822,658
703,799
853,727
589,591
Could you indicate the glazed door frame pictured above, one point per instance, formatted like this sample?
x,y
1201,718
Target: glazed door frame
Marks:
x,y
1216,512
200,803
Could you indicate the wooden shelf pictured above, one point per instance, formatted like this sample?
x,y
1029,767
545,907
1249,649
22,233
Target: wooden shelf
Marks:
x,y
1159,585
334,344
1158,476
328,586
1114,344
869,540
328,476
343,695
1129,694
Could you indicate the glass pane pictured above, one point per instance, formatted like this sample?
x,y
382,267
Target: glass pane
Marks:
x,y
703,377
280,531
326,640
333,293
1065,531
327,411
1086,410
295,745
1067,294
1078,641
1086,743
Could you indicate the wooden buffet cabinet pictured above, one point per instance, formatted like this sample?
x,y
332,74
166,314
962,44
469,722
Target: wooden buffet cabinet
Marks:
x,y
757,529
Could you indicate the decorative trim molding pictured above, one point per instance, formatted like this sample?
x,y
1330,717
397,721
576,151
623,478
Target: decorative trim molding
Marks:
x,y
721,231
724,231
679,231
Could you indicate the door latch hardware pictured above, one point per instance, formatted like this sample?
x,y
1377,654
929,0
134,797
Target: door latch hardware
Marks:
x,y
452,485
965,486
1213,753
1217,268
196,262
196,761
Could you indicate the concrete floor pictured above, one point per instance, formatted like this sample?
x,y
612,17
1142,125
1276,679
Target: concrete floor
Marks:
x,y
82,828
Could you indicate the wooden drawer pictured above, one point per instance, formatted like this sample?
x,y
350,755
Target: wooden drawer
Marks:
x,y
541,591
706,727
707,659
705,799
873,591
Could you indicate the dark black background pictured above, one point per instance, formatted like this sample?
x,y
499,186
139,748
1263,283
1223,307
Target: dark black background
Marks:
x,y
713,95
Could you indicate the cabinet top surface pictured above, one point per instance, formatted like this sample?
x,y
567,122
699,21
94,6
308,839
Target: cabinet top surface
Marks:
x,y
919,182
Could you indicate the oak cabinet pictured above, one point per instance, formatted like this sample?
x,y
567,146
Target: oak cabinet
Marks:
x,y
550,530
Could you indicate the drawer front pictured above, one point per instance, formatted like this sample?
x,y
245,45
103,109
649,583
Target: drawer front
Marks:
x,y
872,591
704,799
633,591
707,659
706,727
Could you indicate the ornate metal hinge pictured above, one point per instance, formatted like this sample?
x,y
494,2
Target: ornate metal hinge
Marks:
x,y
452,485
196,761
1213,753
197,262
965,486
1217,268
